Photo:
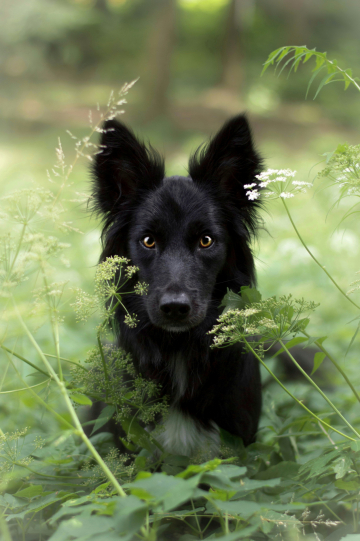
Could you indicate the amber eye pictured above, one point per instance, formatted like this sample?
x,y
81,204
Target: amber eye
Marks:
x,y
149,242
206,241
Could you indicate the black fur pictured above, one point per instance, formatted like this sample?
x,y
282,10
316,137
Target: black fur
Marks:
x,y
171,343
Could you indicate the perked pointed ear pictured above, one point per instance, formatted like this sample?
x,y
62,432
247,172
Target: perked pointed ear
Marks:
x,y
229,161
122,167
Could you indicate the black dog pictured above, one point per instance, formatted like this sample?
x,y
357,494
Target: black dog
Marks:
x,y
190,238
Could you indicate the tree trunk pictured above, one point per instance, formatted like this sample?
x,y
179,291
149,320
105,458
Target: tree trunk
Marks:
x,y
238,17
102,6
158,58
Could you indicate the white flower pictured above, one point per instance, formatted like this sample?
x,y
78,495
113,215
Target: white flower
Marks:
x,y
286,195
247,186
252,195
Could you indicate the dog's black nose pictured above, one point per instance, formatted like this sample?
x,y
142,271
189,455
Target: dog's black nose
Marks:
x,y
175,306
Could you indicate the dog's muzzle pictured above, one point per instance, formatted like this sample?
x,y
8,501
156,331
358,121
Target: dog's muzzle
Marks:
x,y
175,307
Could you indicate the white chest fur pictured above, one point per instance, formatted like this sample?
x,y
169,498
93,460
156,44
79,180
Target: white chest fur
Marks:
x,y
182,435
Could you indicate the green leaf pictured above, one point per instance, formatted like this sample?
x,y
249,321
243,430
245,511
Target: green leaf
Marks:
x,y
82,526
342,467
355,446
234,536
314,75
30,492
139,435
347,485
319,465
313,339
249,485
129,515
271,58
286,470
81,399
324,82
250,294
308,55
318,359
245,509
292,343
165,489
104,417
232,300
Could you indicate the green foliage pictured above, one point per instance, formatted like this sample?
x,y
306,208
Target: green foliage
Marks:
x,y
300,480
322,64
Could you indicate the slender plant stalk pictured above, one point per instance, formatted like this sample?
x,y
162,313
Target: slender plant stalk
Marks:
x,y
54,323
39,399
5,532
338,367
26,388
293,396
314,258
319,390
23,359
78,428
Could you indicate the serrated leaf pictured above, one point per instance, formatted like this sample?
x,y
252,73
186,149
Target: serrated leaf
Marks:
x,y
318,359
270,59
308,55
81,399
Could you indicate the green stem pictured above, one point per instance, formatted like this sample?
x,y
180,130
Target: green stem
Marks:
x,y
18,249
319,390
6,535
293,396
338,367
67,360
54,323
39,399
23,359
314,258
103,360
79,429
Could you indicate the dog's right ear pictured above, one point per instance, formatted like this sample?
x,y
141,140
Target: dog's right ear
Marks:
x,y
123,166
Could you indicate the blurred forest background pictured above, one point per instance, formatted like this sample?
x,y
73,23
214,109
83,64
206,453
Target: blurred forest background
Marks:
x,y
198,63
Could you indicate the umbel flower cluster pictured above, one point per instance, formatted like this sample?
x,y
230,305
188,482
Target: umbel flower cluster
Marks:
x,y
121,386
262,323
274,184
343,168
111,277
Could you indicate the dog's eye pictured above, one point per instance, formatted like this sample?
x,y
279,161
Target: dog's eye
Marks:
x,y
149,242
206,241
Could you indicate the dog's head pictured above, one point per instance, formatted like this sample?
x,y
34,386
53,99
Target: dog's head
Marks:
x,y
189,236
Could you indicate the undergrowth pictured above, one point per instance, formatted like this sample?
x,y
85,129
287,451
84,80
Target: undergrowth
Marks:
x,y
61,478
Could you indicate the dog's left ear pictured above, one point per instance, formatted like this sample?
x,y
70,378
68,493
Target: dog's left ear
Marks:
x,y
228,161
122,168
